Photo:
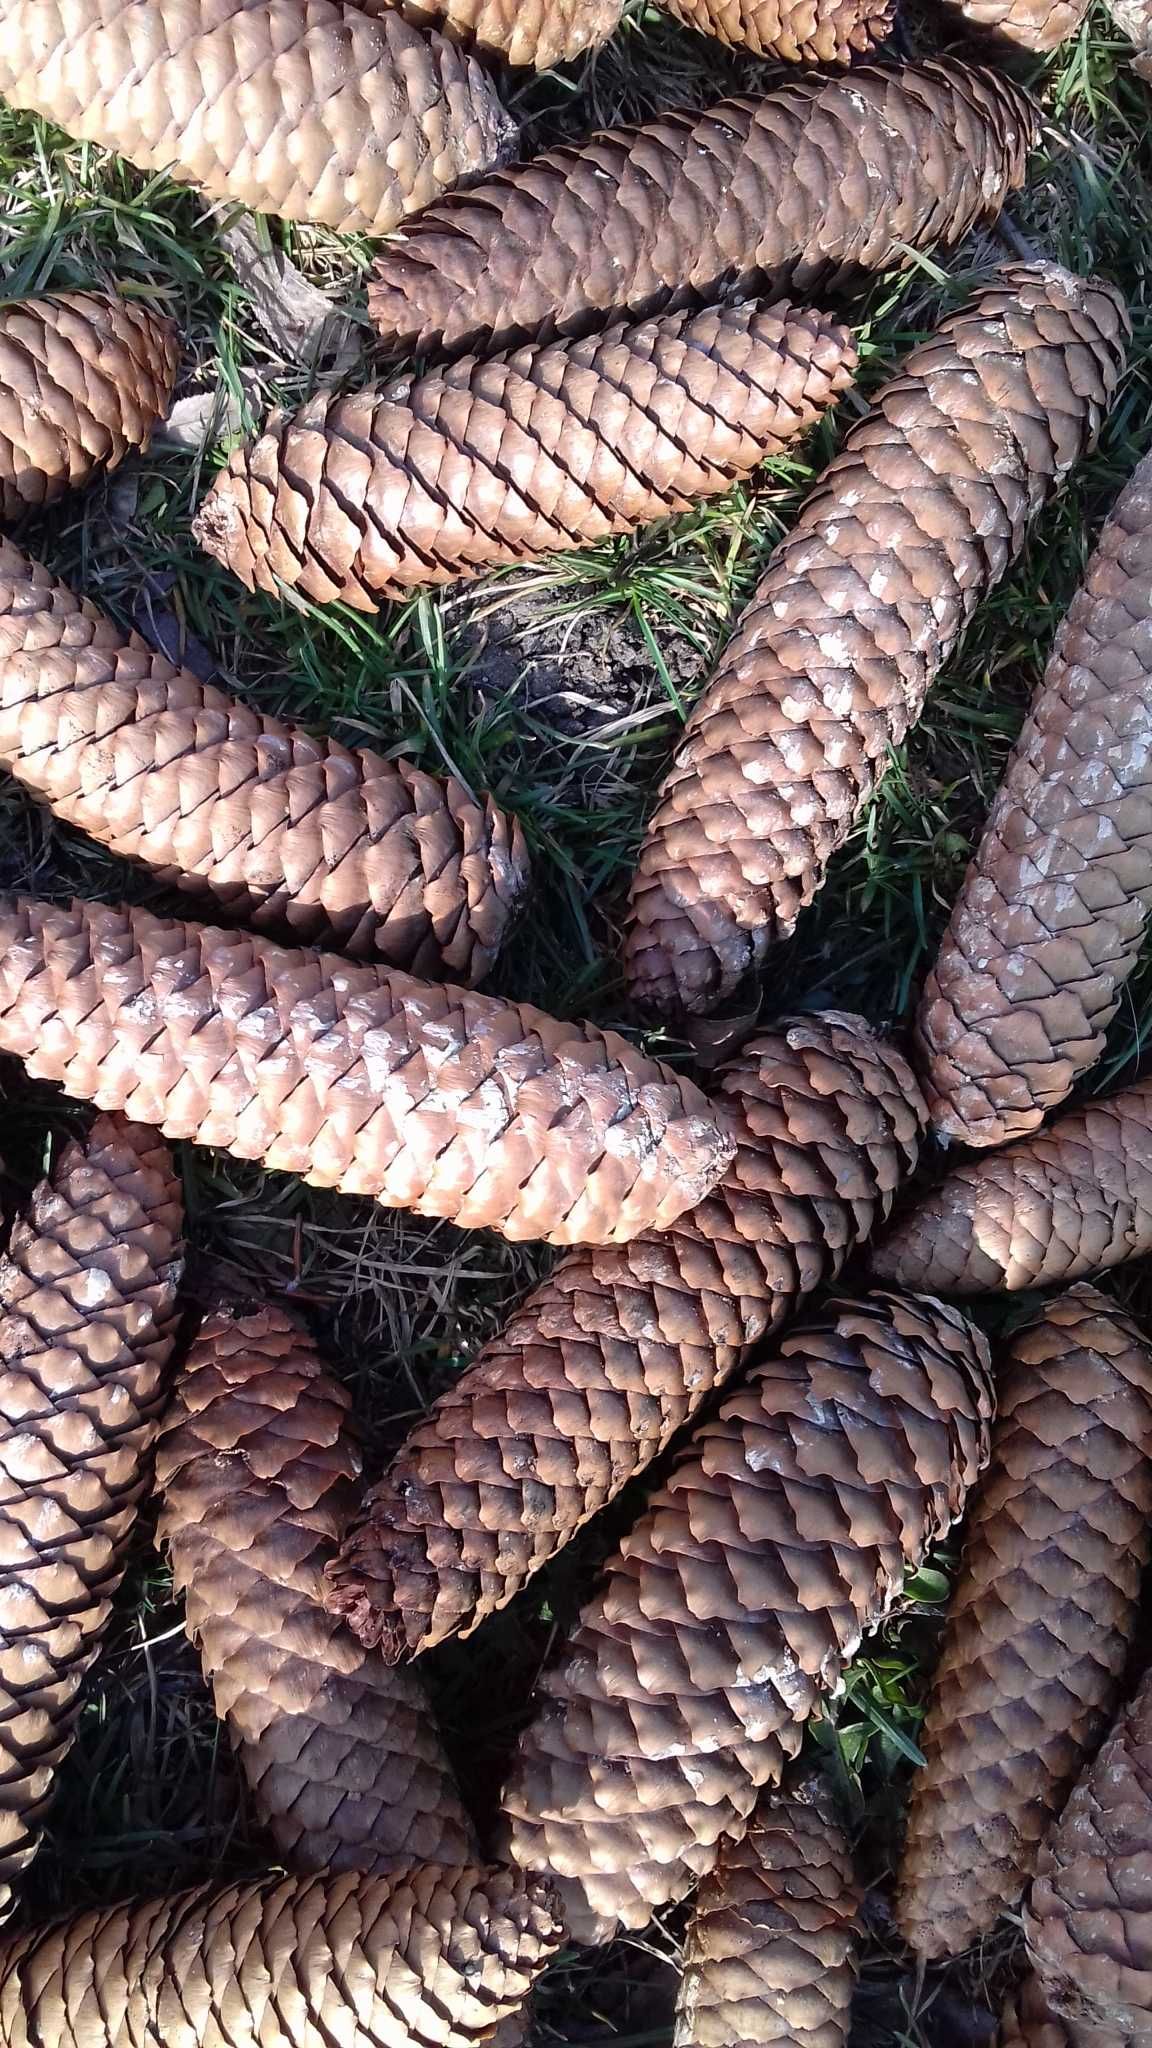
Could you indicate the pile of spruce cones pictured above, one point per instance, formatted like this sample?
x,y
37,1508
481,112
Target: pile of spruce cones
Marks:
x,y
608,333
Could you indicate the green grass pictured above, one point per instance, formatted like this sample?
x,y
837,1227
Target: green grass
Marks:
x,y
560,690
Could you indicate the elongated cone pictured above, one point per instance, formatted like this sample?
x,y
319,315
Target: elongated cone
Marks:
x,y
1088,1919
533,33
769,1953
927,505
505,459
257,1474
1134,19
87,1320
805,187
298,107
1050,919
358,1078
328,843
427,1958
1041,1622
1029,2021
782,1536
1038,25
795,31
1073,1200
615,1350
84,379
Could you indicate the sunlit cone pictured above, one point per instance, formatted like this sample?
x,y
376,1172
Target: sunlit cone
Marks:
x,y
532,33
795,31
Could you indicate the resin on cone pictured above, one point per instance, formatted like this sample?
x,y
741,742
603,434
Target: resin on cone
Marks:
x,y
504,459
926,507
1042,1620
287,832
257,1472
616,1349
488,1113
782,1536
793,31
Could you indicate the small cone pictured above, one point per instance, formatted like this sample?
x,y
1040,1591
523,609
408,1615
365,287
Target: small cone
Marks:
x,y
533,33
794,31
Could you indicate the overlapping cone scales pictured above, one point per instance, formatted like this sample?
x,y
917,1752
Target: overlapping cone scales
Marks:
x,y
1051,916
535,33
1041,1622
257,1472
427,1958
502,459
918,517
84,379
288,832
782,1535
616,1348
87,1319
1089,1919
798,188
1038,25
489,1113
1030,2021
768,1956
1134,19
297,107
796,31
1070,1201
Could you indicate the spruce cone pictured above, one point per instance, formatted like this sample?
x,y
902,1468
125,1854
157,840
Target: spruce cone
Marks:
x,y
794,31
815,183
297,107
1071,1201
615,1350
1041,1622
781,1537
919,516
769,1954
506,459
1088,1920
1050,920
534,33
84,379
328,843
87,1319
358,1078
427,1958
1133,18
1038,25
257,1472
1029,2021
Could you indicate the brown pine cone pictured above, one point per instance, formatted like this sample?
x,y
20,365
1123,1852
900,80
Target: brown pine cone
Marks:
x,y
1028,2021
782,1536
769,1957
87,1320
1041,1622
84,379
508,458
328,843
299,107
927,505
1133,18
257,1472
1038,25
1073,1200
1050,919
426,1958
616,1349
535,33
794,31
819,181
1090,1914
489,1113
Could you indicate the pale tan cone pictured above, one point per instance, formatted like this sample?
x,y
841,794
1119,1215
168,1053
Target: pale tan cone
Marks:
x,y
533,33
794,31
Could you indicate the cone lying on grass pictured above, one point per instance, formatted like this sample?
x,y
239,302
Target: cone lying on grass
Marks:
x,y
1134,19
769,1952
615,1349
324,842
507,458
927,505
795,31
1042,1620
810,185
781,1537
533,33
1073,1200
1051,915
1029,2021
485,1112
87,1321
85,377
1039,25
426,1958
257,1474
297,107
1089,1917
